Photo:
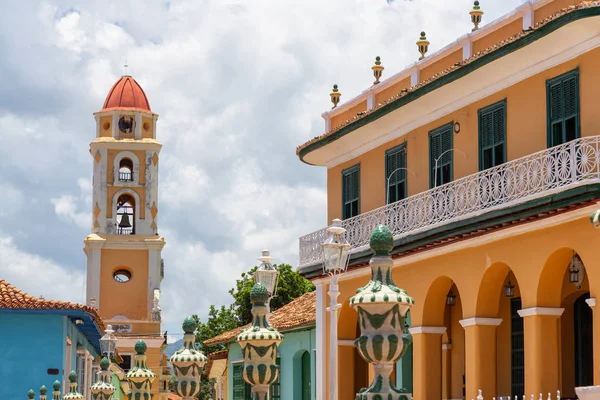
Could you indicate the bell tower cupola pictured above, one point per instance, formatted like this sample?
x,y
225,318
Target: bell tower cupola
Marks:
x,y
124,262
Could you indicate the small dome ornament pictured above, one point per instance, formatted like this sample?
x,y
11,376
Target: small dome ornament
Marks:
x,y
43,392
476,14
423,45
31,394
382,241
259,294
73,393
140,376
103,388
188,362
377,70
56,391
335,96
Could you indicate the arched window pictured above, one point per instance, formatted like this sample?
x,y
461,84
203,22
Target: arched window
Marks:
x,y
125,215
126,170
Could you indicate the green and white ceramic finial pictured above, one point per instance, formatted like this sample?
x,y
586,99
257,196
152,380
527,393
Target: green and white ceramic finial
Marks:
x,y
30,394
188,362
43,392
140,376
382,241
56,392
103,388
73,393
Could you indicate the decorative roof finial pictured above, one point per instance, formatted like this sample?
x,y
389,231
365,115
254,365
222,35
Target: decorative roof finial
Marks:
x,y
476,14
43,391
30,394
56,392
423,45
335,96
73,393
377,70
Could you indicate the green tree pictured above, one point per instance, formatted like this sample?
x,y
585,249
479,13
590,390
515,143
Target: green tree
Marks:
x,y
290,286
218,321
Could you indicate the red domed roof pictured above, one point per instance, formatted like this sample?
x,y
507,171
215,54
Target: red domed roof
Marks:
x,y
126,93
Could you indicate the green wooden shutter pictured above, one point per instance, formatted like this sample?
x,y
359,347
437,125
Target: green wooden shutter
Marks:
x,y
239,385
351,192
440,141
562,97
395,178
306,376
492,135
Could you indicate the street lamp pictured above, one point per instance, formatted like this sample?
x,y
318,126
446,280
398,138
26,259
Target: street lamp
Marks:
x,y
336,252
108,342
435,168
266,274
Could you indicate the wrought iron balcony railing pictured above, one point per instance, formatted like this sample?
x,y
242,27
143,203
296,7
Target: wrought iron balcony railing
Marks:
x,y
575,163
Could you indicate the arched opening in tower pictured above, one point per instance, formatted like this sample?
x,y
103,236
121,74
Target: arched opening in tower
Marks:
x,y
126,215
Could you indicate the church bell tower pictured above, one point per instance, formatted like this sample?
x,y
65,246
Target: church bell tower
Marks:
x,y
124,263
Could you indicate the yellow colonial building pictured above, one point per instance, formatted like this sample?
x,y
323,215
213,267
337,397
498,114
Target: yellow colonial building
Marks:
x,y
124,263
484,161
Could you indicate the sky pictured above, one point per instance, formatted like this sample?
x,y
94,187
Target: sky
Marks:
x,y
237,84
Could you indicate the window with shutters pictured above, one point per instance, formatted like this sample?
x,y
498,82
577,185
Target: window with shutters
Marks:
x,y
395,173
351,192
440,158
241,390
562,105
492,135
517,349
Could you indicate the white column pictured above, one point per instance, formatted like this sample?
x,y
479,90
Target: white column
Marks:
x,y
333,332
93,253
415,75
467,47
154,259
88,375
527,12
138,126
370,100
115,125
320,357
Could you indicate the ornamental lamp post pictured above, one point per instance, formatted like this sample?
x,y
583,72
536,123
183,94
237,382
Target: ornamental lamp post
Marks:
x,y
336,252
382,309
108,342
259,344
266,274
103,388
140,376
188,363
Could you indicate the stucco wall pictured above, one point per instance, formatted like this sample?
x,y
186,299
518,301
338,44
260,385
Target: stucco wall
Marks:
x,y
30,344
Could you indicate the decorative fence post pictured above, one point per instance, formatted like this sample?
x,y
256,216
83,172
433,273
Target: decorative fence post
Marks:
x,y
56,392
382,308
103,388
259,344
43,391
140,376
73,393
31,394
188,363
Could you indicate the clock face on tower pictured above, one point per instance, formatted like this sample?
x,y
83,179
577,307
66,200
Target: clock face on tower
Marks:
x,y
126,124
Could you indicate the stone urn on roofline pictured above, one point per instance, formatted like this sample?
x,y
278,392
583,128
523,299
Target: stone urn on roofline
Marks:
x,y
382,308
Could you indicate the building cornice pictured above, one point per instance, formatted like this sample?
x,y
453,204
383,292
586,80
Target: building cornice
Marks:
x,y
477,321
451,75
532,311
435,330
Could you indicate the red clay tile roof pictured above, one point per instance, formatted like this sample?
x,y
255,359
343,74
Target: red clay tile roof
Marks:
x,y
450,69
217,355
296,314
14,298
126,93
173,396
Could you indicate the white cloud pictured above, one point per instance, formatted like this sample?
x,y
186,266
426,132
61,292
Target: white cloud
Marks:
x,y
237,87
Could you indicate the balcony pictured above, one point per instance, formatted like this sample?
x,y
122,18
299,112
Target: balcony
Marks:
x,y
537,175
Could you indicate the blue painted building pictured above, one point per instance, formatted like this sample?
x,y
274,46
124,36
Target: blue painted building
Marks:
x,y
296,356
41,341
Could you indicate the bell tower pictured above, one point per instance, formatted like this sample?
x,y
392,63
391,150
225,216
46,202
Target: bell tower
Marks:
x,y
124,263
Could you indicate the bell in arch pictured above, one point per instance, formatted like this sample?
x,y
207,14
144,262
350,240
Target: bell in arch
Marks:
x,y
124,223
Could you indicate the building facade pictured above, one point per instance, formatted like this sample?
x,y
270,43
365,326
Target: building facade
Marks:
x,y
48,339
124,263
484,161
296,356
